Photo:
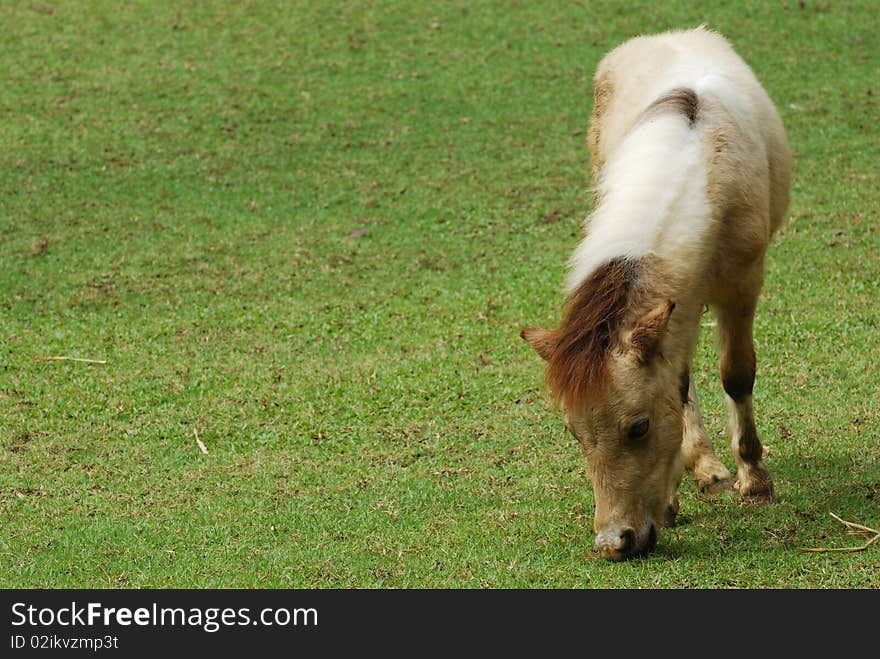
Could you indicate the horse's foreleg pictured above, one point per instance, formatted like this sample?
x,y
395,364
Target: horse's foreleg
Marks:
x,y
738,378
697,452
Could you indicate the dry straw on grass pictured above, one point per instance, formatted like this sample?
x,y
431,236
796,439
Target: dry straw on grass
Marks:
x,y
200,443
70,359
856,529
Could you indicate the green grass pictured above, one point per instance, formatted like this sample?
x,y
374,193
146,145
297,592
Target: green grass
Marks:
x,y
309,233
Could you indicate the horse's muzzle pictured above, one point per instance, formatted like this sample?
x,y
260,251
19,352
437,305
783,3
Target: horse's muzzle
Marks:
x,y
619,544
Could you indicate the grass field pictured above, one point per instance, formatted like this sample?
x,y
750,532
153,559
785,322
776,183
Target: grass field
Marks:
x,y
307,235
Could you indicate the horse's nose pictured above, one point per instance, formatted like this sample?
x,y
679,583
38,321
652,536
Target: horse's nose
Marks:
x,y
626,541
619,543
616,543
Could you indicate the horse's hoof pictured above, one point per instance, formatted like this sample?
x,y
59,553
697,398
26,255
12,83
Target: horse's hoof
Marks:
x,y
713,477
717,485
756,487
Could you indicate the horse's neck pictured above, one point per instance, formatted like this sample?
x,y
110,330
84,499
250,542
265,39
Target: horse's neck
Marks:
x,y
652,201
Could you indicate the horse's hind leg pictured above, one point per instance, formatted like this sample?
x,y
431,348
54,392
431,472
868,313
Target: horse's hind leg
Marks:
x,y
697,452
738,377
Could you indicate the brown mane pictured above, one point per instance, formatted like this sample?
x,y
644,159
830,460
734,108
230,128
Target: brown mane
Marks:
x,y
594,314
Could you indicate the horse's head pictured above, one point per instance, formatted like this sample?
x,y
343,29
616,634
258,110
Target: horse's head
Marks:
x,y
622,399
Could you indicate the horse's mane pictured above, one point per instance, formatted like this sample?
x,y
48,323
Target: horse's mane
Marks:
x,y
599,305
594,314
681,100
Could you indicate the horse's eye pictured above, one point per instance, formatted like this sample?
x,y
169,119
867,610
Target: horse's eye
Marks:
x,y
638,430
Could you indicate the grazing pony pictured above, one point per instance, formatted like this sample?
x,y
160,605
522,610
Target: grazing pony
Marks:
x,y
691,170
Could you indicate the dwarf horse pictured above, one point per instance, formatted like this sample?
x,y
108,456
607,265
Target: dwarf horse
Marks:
x,y
691,170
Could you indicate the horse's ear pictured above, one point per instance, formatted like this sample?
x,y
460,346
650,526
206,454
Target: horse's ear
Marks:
x,y
543,341
649,330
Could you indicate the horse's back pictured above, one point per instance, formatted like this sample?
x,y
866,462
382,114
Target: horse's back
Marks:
x,y
749,154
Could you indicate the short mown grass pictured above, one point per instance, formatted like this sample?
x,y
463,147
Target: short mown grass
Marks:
x,y
307,235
